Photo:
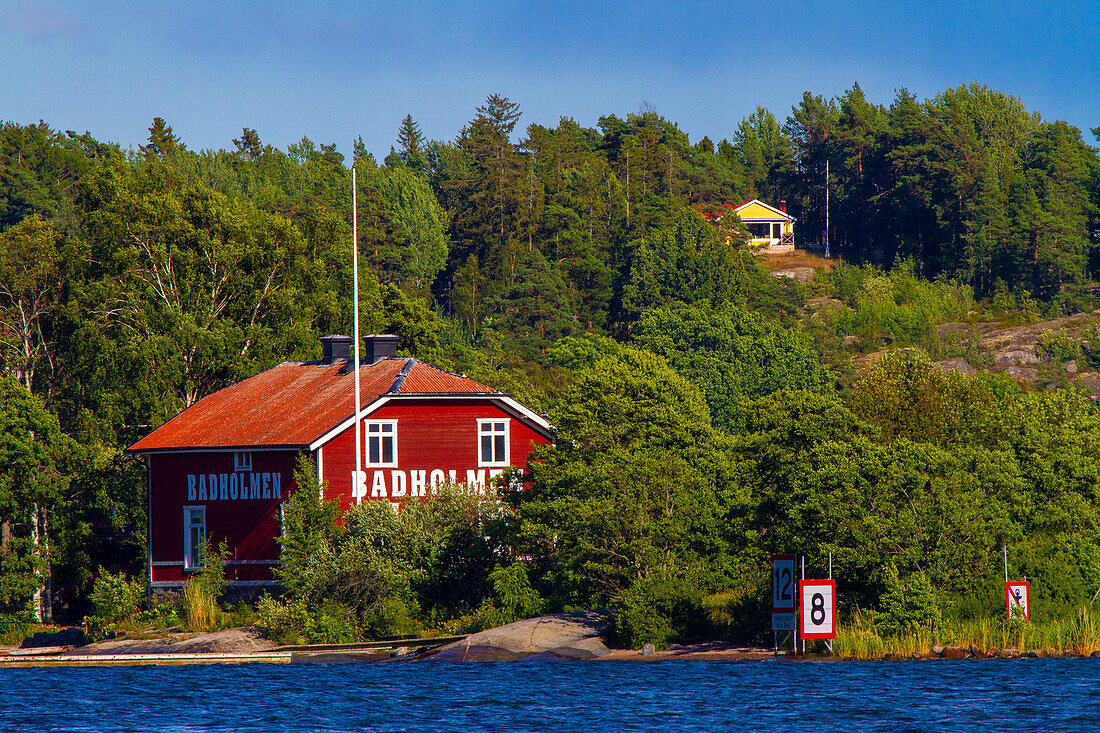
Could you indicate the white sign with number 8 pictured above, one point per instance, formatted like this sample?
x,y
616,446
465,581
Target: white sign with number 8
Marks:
x,y
818,609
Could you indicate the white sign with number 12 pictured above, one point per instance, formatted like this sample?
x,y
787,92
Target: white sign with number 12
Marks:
x,y
783,584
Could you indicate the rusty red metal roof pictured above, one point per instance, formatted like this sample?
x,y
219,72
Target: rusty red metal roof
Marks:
x,y
294,403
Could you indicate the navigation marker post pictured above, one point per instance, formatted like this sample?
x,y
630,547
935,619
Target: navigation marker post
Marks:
x,y
783,598
818,609
1016,595
1016,599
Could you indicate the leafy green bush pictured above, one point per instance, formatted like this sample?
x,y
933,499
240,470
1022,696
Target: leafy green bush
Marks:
x,y
14,627
163,615
514,598
394,617
731,354
897,307
291,621
283,622
483,617
907,605
114,597
380,573
1059,348
661,608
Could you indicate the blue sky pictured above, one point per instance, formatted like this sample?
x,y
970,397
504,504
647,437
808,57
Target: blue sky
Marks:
x,y
333,70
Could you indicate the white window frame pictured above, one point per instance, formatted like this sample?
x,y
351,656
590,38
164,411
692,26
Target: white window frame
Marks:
x,y
242,460
380,434
507,432
188,548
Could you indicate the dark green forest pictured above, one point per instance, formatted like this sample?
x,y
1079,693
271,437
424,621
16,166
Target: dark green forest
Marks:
x,y
708,413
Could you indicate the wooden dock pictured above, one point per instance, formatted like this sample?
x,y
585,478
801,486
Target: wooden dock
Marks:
x,y
140,660
371,651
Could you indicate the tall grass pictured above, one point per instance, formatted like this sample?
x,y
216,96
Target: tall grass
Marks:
x,y
200,594
859,639
201,607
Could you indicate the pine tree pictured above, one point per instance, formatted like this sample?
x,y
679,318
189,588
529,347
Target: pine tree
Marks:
x,y
411,144
248,144
162,141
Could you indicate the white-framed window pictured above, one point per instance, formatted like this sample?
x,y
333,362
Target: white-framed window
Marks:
x,y
382,443
194,536
242,461
492,442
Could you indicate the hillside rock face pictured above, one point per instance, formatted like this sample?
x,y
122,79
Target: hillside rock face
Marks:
x,y
1022,352
559,636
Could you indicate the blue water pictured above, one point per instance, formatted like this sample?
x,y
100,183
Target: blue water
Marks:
x,y
1044,694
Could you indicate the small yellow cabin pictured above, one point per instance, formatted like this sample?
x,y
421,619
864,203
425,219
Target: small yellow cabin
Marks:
x,y
769,226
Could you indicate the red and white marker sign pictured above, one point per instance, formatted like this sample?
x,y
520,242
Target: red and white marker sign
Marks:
x,y
783,593
818,608
1016,602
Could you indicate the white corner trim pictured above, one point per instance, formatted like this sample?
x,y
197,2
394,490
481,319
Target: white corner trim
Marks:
x,y
526,412
769,207
512,404
349,422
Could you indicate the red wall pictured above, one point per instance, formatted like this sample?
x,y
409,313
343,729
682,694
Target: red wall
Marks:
x,y
430,435
249,526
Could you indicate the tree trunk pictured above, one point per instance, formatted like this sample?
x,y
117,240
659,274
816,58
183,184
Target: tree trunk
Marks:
x,y
43,604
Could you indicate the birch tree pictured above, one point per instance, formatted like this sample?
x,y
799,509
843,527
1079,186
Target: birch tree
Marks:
x,y
29,285
34,454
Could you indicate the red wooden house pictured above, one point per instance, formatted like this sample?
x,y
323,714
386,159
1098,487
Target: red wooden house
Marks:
x,y
222,468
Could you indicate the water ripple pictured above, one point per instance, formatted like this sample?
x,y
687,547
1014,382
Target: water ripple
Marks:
x,y
1050,695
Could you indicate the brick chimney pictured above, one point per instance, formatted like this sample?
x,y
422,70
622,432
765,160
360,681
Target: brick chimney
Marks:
x,y
783,205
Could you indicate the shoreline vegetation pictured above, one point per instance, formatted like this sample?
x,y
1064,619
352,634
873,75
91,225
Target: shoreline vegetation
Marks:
x,y
554,638
979,638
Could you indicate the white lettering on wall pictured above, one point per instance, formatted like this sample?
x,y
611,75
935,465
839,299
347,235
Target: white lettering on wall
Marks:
x,y
398,484
476,481
419,482
378,485
358,484
397,479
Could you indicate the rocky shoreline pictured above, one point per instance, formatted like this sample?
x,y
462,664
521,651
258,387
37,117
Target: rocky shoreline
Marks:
x,y
578,636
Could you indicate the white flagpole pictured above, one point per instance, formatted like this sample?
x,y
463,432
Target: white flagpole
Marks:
x,y
355,336
826,208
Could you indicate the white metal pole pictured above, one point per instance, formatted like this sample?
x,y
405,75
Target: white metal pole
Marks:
x,y
800,601
1005,547
826,209
829,642
355,336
